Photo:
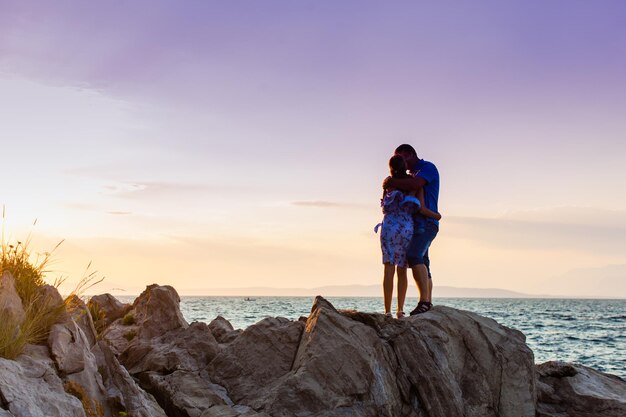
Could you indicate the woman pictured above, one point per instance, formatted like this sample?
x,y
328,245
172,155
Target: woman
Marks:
x,y
397,230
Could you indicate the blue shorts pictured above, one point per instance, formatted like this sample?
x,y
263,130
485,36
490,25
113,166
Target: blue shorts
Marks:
x,y
417,254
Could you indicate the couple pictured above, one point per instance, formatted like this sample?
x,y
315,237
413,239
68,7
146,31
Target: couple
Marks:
x,y
410,224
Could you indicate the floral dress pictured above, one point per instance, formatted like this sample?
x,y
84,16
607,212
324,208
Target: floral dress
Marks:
x,y
397,226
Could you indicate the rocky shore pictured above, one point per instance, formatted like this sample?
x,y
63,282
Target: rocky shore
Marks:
x,y
144,360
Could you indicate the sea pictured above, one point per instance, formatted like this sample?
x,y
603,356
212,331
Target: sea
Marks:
x,y
587,332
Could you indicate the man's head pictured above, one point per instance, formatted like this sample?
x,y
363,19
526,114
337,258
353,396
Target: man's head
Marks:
x,y
408,153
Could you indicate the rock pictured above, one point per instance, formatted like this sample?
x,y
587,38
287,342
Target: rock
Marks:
x,y
190,348
236,411
76,364
262,354
30,387
157,311
49,299
123,392
342,367
578,391
79,312
223,331
119,336
5,413
11,308
69,346
444,363
154,313
491,366
184,393
108,309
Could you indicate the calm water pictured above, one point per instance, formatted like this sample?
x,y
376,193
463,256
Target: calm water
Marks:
x,y
589,332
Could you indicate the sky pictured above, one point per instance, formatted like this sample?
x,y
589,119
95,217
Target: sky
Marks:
x,y
230,144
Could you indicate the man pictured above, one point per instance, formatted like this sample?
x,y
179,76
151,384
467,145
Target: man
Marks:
x,y
426,176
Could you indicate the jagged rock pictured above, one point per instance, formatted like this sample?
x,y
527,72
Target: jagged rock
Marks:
x,y
190,348
154,313
236,411
578,391
69,346
444,363
157,311
263,353
70,349
79,312
30,387
123,392
108,309
342,367
223,331
49,299
119,335
184,393
11,307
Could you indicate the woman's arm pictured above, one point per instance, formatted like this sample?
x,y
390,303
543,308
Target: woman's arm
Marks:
x,y
404,184
423,210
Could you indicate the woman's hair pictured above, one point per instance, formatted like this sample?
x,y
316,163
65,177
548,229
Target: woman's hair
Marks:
x,y
397,167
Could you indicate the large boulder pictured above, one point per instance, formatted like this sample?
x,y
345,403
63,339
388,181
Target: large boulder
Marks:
x,y
189,348
79,312
235,411
30,387
11,308
184,393
107,309
123,393
444,363
157,311
263,353
76,364
153,314
578,391
223,331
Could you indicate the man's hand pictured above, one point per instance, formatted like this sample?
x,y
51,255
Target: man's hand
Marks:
x,y
404,184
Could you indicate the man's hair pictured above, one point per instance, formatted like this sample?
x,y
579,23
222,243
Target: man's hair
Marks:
x,y
406,148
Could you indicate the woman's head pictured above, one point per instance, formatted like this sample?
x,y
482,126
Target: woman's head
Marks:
x,y
397,166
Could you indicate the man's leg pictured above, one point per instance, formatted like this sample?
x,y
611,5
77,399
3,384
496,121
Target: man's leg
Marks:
x,y
430,277
420,275
417,256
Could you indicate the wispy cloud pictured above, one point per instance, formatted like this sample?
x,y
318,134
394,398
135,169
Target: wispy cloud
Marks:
x,y
325,204
590,230
152,190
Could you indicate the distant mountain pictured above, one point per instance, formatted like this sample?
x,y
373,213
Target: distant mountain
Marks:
x,y
360,291
603,282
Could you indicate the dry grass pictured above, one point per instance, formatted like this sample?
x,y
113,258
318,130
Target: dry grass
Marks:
x,y
92,407
42,311
130,335
128,319
99,317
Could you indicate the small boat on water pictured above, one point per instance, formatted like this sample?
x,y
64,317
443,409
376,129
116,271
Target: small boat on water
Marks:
x,y
249,299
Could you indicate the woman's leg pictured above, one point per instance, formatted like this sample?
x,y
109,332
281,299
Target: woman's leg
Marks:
x,y
402,287
388,285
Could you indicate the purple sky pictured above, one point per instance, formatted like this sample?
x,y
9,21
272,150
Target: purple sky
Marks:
x,y
270,122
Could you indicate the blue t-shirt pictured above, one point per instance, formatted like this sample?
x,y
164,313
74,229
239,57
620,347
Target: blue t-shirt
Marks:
x,y
429,172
